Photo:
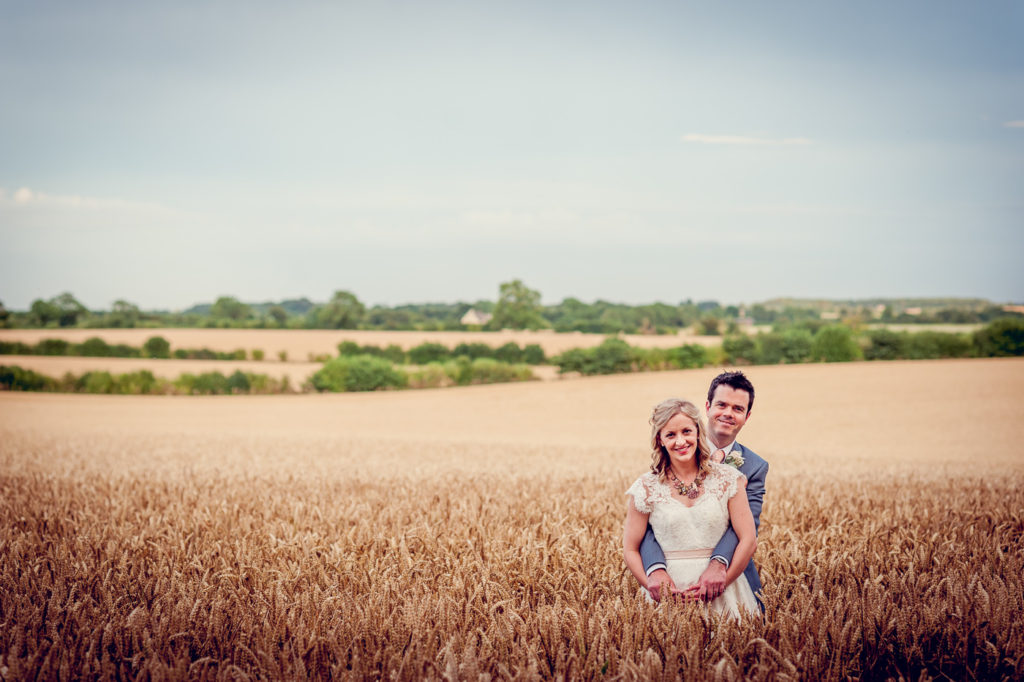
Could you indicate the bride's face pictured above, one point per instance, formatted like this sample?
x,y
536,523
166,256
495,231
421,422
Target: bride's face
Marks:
x,y
679,438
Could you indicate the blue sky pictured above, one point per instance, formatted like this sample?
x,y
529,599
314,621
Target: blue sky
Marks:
x,y
170,153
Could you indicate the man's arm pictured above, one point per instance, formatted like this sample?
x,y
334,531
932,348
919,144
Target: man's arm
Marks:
x,y
726,547
712,581
654,566
651,552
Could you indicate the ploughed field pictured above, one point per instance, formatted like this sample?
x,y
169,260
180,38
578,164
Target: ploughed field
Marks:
x,y
476,531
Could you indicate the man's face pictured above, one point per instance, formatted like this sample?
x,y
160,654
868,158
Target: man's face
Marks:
x,y
727,413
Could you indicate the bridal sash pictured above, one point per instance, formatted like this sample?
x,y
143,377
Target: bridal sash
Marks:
x,y
689,553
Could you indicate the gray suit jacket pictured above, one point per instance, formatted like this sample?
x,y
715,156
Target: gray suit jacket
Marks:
x,y
756,470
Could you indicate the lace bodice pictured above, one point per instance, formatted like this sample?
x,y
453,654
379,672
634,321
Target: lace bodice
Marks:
x,y
677,526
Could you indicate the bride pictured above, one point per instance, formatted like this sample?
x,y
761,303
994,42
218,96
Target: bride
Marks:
x,y
689,502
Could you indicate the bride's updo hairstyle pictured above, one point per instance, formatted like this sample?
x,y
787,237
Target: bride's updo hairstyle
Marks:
x,y
663,413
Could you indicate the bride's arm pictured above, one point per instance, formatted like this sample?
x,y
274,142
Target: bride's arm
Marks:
x,y
742,521
636,526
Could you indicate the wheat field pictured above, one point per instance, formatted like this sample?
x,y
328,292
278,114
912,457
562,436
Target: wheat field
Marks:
x,y
475,533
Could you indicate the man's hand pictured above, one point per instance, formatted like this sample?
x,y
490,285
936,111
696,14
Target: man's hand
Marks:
x,y
658,579
711,583
691,593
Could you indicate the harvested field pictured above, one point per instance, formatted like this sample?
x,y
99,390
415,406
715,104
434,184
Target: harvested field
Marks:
x,y
300,344
477,531
57,366
297,372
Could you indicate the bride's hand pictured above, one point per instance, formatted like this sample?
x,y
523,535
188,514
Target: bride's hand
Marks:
x,y
656,581
691,593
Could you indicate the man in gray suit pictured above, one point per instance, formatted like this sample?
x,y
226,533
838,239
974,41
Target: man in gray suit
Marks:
x,y
730,400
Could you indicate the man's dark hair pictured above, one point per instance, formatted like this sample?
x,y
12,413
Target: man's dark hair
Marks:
x,y
735,380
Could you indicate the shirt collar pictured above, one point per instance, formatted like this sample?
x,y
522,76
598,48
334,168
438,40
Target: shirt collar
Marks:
x,y
727,449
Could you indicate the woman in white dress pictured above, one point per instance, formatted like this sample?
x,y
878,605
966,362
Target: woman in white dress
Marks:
x,y
689,502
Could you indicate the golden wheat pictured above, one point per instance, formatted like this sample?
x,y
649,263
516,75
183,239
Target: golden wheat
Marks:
x,y
141,541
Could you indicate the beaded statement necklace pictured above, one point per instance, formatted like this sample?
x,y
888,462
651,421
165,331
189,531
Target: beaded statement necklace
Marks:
x,y
691,490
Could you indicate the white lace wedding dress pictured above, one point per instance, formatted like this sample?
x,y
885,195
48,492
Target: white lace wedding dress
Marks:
x,y
688,534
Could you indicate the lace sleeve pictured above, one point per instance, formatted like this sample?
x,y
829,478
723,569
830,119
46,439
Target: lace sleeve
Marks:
x,y
727,480
639,492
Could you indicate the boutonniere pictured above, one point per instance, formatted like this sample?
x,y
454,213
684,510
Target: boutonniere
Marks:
x,y
734,459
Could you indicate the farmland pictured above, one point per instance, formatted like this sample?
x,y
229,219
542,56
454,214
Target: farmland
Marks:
x,y
301,344
476,531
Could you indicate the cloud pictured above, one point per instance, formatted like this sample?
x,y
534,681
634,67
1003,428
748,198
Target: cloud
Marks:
x,y
1014,124
24,196
744,140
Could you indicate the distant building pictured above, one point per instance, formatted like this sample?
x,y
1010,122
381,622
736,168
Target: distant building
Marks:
x,y
744,320
878,311
913,311
1013,309
829,315
475,318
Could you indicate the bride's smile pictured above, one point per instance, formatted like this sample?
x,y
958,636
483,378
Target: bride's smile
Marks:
x,y
679,438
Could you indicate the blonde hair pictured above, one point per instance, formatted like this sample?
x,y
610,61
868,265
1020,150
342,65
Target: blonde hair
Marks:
x,y
662,414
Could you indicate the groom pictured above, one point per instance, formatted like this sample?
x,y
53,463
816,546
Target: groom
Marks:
x,y
730,399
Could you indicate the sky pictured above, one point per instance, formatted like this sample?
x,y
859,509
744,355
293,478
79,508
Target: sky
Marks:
x,y
170,153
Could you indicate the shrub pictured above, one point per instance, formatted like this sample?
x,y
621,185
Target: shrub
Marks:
x,y
739,349
1001,338
611,357
797,344
52,347
769,348
431,375
94,347
834,343
210,383
97,382
136,383
690,356
491,371
357,373
156,347
428,352
395,354
13,378
509,352
533,354
238,382
282,355
474,350
885,344
349,348
15,348
121,350
930,345
257,354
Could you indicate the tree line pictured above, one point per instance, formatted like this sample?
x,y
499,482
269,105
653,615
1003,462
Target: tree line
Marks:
x,y
517,306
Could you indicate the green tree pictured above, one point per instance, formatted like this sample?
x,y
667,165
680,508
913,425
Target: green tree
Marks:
x,y
1001,338
740,349
709,325
796,345
4,316
343,311
518,307
68,309
279,315
157,347
124,314
885,344
834,343
229,308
